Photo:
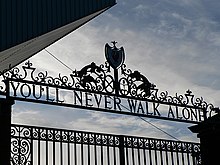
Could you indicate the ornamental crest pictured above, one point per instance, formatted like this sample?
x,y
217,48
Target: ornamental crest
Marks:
x,y
115,56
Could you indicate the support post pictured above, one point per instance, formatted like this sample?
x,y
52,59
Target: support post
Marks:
x,y
121,150
5,129
209,133
116,83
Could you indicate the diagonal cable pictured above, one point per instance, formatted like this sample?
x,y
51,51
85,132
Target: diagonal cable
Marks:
x,y
143,119
153,125
58,60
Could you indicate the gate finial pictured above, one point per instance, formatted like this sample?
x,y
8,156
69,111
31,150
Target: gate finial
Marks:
x,y
114,43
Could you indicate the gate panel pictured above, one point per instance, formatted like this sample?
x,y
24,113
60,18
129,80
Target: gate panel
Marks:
x,y
47,146
148,151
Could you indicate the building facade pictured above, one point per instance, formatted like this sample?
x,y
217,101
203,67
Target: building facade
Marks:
x,y
28,26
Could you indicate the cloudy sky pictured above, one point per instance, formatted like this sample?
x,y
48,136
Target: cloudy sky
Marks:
x,y
174,43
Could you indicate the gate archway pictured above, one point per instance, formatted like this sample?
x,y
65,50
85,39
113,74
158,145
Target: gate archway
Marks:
x,y
98,88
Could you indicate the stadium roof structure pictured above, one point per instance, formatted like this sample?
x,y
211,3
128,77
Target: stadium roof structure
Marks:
x,y
28,26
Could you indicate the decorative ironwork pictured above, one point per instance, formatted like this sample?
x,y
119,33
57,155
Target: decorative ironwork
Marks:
x,y
46,145
64,136
114,55
20,147
100,79
92,78
95,78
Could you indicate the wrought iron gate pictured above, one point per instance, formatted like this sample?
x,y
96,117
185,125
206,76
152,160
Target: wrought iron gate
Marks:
x,y
95,87
47,146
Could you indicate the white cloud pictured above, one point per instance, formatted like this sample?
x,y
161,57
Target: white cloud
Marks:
x,y
174,44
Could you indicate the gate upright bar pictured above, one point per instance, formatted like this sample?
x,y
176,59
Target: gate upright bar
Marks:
x,y
121,150
5,128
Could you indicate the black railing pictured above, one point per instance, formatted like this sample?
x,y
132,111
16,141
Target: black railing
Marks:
x,y
47,146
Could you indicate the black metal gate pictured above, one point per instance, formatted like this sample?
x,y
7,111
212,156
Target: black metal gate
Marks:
x,y
47,146
95,87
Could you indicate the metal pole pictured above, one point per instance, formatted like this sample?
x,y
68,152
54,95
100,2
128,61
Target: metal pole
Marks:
x,y
116,83
5,129
121,150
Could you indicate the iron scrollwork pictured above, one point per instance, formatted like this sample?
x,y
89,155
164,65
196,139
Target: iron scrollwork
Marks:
x,y
113,78
20,146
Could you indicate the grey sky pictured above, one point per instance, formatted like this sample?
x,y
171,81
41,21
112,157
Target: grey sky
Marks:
x,y
175,43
